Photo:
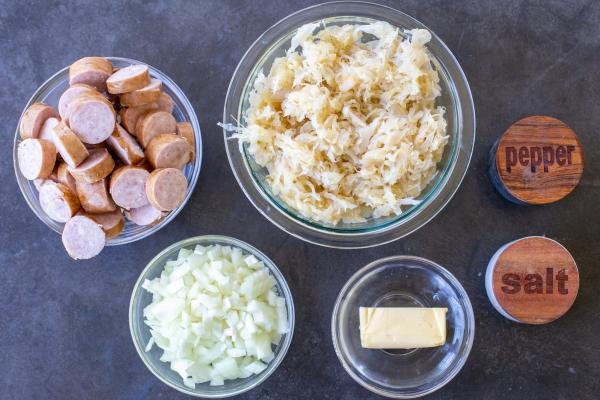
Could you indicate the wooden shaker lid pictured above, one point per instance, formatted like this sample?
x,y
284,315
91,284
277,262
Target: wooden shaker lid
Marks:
x,y
533,280
538,160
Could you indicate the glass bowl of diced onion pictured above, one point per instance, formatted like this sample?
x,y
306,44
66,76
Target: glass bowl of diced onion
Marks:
x,y
250,374
253,178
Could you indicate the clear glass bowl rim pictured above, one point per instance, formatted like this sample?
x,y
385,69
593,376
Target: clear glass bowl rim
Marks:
x,y
469,327
206,240
196,166
389,231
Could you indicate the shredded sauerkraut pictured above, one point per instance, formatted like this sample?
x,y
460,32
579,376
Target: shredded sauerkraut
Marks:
x,y
346,123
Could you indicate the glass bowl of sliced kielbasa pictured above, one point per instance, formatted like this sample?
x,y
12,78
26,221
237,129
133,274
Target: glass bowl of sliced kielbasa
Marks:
x,y
107,152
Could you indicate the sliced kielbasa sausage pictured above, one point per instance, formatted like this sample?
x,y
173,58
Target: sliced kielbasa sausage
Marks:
x,y
83,237
166,103
185,130
58,201
94,197
33,118
64,176
47,131
112,223
130,115
154,123
166,188
68,145
92,118
97,166
168,151
71,94
124,146
128,79
36,158
128,187
148,94
93,71
144,215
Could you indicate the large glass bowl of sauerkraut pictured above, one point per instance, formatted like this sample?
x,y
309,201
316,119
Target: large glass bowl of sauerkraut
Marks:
x,y
349,124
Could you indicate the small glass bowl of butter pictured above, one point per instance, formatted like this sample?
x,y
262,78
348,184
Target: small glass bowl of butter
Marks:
x,y
373,296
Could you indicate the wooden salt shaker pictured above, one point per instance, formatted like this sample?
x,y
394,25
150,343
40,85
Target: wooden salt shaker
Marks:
x,y
533,280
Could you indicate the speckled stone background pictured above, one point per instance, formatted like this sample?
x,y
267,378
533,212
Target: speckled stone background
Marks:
x,y
63,324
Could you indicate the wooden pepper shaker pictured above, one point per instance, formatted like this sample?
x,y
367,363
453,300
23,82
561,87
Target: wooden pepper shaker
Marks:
x,y
538,160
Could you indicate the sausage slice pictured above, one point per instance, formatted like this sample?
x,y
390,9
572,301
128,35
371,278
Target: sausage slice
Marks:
x,y
95,95
96,167
148,94
38,183
83,238
92,118
68,145
144,215
166,188
128,187
130,115
168,151
186,131
36,158
53,177
124,146
71,94
47,131
94,197
112,223
93,71
166,103
63,176
58,201
33,118
128,79
154,123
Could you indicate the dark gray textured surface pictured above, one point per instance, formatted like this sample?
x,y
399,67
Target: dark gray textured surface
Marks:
x,y
63,325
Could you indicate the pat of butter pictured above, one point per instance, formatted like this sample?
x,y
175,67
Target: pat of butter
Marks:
x,y
402,327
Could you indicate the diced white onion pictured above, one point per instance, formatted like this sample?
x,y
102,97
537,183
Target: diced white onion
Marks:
x,y
215,314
